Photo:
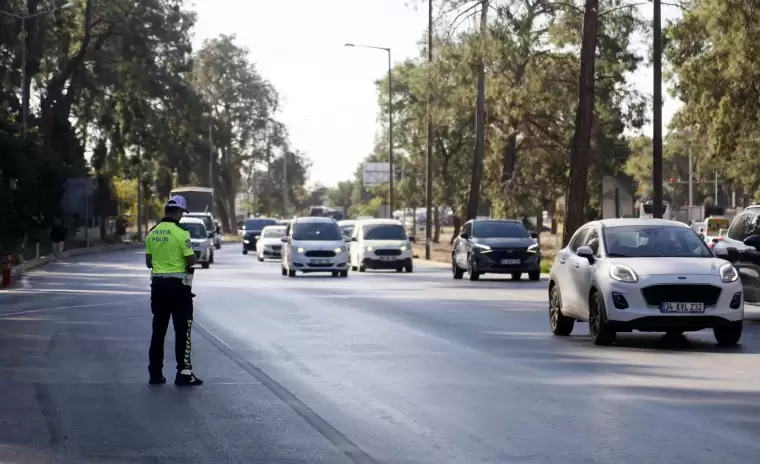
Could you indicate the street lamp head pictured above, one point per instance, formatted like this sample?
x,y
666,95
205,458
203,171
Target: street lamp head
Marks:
x,y
349,45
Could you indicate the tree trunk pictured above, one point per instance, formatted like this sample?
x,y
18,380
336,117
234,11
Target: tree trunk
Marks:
x,y
437,221
539,224
552,210
480,126
579,151
224,220
457,228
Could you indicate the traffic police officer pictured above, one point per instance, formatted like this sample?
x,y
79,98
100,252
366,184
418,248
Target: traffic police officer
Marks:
x,y
170,256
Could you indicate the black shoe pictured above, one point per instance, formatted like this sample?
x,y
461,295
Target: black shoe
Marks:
x,y
187,380
157,380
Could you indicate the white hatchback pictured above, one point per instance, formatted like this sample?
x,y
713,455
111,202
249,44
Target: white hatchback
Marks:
x,y
314,244
380,244
649,275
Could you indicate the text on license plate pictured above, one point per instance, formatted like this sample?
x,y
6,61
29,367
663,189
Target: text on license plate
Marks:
x,y
682,308
510,261
320,261
387,258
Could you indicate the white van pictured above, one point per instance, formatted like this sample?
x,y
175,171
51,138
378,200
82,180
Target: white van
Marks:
x,y
380,244
314,244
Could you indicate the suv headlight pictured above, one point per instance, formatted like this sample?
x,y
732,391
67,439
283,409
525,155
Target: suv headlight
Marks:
x,y
300,250
403,247
482,248
533,248
623,273
728,273
340,250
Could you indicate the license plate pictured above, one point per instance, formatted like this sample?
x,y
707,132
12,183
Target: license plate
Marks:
x,y
320,261
387,258
682,308
196,247
510,261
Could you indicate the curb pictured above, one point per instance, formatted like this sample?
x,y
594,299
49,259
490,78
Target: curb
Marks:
x,y
27,266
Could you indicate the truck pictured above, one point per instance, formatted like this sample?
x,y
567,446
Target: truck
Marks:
x,y
200,201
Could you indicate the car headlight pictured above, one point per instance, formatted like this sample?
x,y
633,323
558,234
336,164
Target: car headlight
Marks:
x,y
246,242
482,248
403,247
340,250
300,250
728,273
623,273
533,248
369,248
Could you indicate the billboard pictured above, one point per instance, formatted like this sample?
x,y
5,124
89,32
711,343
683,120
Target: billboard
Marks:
x,y
376,174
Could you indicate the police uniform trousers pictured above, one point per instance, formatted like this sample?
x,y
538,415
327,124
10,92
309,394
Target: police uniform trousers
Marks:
x,y
171,299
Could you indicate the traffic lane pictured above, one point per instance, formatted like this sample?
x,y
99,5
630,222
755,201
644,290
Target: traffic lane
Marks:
x,y
76,281
415,373
75,384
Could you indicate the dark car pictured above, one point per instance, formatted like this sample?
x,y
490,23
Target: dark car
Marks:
x,y
741,247
495,246
251,229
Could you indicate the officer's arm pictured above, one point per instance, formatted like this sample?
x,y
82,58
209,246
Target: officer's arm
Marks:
x,y
148,253
187,250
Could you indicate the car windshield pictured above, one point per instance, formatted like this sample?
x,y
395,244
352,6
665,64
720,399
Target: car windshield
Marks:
x,y
196,230
273,232
348,231
383,232
499,229
258,224
206,220
317,231
654,241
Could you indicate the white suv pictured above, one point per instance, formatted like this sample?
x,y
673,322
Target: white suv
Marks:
x,y
314,244
203,245
380,244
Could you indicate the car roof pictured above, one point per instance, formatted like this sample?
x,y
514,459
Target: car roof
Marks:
x,y
496,220
198,213
347,222
192,220
274,226
380,221
628,222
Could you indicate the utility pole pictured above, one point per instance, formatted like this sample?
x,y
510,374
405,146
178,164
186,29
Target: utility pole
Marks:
x,y
390,135
429,157
480,127
715,202
210,151
657,110
285,183
139,195
691,175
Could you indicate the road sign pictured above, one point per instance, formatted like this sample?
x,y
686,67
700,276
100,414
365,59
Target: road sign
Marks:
x,y
376,174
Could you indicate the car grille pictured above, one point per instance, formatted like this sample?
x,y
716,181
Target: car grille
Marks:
x,y
277,248
388,252
320,254
497,254
655,295
197,254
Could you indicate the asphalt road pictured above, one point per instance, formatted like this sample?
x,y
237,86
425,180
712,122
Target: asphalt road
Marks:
x,y
375,368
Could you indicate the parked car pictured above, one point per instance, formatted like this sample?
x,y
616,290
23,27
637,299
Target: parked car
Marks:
x,y
203,244
495,246
314,244
741,246
650,275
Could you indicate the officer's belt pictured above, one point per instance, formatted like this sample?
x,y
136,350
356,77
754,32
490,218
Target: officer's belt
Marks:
x,y
173,275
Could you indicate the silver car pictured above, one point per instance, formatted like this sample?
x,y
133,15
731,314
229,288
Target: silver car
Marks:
x,y
203,245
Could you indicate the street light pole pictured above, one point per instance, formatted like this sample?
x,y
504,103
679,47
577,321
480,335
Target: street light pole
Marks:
x,y
390,120
24,87
429,158
210,152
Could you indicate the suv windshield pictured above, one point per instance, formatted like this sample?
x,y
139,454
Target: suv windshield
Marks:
x,y
196,230
348,231
499,229
206,220
273,232
654,241
317,231
384,232
258,224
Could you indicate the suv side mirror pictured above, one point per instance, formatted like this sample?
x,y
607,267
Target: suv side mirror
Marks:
x,y
586,252
753,241
284,239
533,235
354,239
464,235
412,239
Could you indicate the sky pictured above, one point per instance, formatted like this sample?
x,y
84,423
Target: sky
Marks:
x,y
328,95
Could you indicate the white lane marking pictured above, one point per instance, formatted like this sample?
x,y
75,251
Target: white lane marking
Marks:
x,y
66,290
31,311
